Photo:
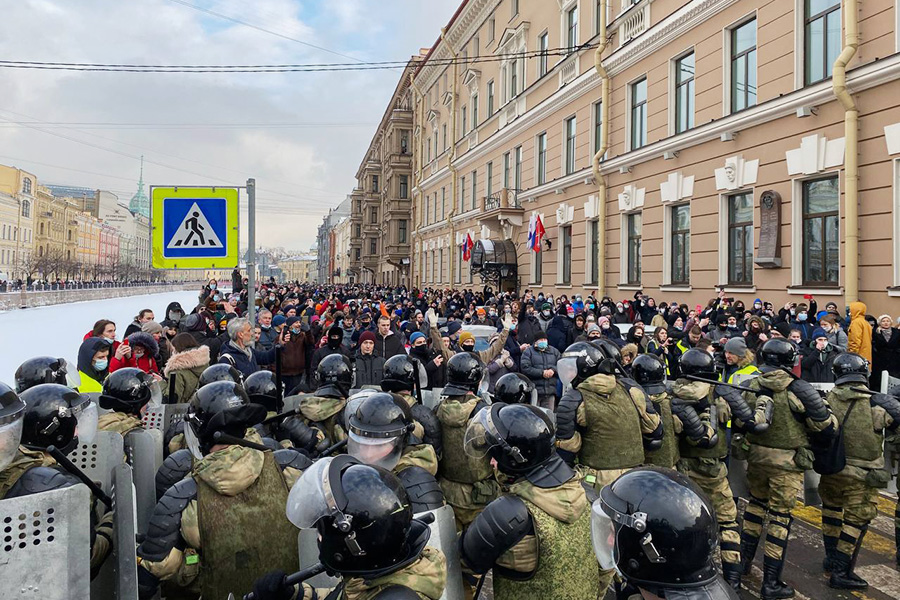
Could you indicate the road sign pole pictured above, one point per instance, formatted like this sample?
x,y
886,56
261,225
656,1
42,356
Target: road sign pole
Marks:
x,y
251,253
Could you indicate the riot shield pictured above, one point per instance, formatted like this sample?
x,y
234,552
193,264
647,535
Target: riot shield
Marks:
x,y
737,478
46,548
444,538
429,399
117,579
811,489
98,459
144,451
309,555
160,417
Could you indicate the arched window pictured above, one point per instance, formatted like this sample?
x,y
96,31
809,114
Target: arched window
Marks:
x,y
26,186
26,205
40,250
42,229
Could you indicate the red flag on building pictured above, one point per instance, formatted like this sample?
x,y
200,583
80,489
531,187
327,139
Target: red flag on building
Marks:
x,y
468,244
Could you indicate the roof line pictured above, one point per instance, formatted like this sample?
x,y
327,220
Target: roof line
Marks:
x,y
438,41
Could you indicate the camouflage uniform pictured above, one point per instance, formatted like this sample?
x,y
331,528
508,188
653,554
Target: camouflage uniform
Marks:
x,y
776,462
326,414
706,466
666,455
849,498
426,577
118,422
468,483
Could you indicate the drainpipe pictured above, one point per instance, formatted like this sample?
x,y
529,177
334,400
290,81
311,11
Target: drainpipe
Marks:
x,y
452,157
598,157
851,153
417,167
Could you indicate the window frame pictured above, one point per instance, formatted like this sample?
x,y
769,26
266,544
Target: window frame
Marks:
x,y
489,179
571,28
690,84
490,99
593,248
404,187
747,259
642,108
474,103
807,21
822,216
633,268
543,57
565,242
597,118
474,189
674,234
732,58
402,232
540,171
570,141
517,168
507,160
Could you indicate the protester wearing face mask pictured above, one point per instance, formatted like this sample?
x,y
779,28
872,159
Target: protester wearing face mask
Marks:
x,y
756,335
142,355
620,316
816,358
297,341
801,319
528,325
333,345
538,363
610,332
268,335
93,364
165,347
546,315
432,361
837,337
885,350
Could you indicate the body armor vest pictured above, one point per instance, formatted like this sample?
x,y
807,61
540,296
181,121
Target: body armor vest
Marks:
x,y
860,439
612,438
720,450
667,455
455,464
785,432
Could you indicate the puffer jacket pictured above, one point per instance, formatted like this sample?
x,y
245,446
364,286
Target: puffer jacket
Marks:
x,y
146,363
561,332
369,369
187,367
534,363
859,336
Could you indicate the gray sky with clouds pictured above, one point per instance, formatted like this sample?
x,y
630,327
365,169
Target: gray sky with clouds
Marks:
x,y
89,128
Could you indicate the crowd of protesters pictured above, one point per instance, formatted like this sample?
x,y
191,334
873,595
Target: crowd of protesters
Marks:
x,y
370,324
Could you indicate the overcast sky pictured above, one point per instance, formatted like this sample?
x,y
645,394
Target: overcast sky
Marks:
x,y
89,128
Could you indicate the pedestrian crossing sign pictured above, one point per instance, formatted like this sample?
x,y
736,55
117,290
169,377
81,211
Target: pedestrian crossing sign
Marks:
x,y
194,227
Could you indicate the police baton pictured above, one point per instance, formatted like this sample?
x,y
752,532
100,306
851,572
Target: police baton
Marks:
x,y
479,586
69,466
332,449
172,377
224,438
281,416
865,391
293,578
279,386
731,385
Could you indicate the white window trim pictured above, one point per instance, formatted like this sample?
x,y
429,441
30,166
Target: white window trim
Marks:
x,y
896,215
589,257
629,87
723,236
623,249
594,121
559,253
797,231
537,159
799,43
565,146
538,74
564,7
673,86
726,57
667,242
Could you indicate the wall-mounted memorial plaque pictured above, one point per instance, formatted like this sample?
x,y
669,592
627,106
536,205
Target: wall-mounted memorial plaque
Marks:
x,y
768,256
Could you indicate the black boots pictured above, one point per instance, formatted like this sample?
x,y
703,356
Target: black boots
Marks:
x,y
749,544
773,588
842,575
829,564
731,572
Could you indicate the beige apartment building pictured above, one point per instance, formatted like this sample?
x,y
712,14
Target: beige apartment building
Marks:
x,y
18,195
381,204
727,160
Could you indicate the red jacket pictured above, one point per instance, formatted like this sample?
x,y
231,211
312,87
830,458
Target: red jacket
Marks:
x,y
146,363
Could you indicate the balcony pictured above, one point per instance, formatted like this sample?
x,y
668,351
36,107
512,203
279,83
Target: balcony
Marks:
x,y
635,20
503,209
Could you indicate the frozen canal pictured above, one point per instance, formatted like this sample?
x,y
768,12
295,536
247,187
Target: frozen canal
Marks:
x,y
58,330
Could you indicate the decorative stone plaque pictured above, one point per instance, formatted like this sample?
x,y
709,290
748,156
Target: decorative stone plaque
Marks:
x,y
769,254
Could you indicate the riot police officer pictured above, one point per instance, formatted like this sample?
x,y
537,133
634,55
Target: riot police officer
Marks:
x,y
323,409
659,530
778,458
219,372
650,373
515,388
467,482
382,433
216,531
536,536
366,533
849,497
406,377
262,389
125,393
41,369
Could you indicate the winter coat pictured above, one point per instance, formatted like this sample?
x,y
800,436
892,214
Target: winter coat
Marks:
x,y
534,363
815,366
619,318
561,332
614,335
528,327
837,337
267,338
437,375
134,327
295,354
322,352
388,346
146,363
497,368
186,367
247,360
369,369
886,355
172,311
91,379
859,337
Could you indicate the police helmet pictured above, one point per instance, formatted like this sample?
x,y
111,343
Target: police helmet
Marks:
x,y
650,372
849,367
401,373
698,363
219,406
379,429
778,352
464,374
363,516
515,388
41,369
262,389
580,361
657,528
58,416
334,376
129,390
12,413
220,372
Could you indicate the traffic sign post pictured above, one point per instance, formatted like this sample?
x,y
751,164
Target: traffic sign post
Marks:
x,y
194,227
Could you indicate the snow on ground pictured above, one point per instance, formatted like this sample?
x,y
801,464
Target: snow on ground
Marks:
x,y
58,330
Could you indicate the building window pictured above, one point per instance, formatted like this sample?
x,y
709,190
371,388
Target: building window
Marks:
x,y
743,66
436,151
544,45
594,249
464,120
404,142
542,158
506,170
492,28
517,178
373,215
26,207
427,210
514,8
570,145
822,38
489,180
443,203
684,93
681,245
639,114
374,184
428,153
740,239
566,241
474,187
26,186
572,28
401,231
356,253
513,78
598,8
459,263
633,230
537,267
490,99
462,195
474,103
821,239
404,187
598,125
444,135
41,232
373,246
441,265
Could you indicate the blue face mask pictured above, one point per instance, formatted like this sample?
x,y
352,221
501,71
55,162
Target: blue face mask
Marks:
x,y
100,365
542,345
295,331
212,286
801,317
